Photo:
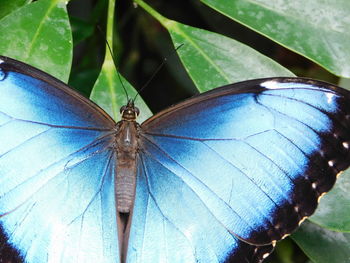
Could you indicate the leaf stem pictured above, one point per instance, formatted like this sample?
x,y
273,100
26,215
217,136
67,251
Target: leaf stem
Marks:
x,y
108,65
109,32
163,20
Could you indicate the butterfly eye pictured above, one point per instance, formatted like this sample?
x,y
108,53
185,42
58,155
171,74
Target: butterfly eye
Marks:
x,y
122,109
137,111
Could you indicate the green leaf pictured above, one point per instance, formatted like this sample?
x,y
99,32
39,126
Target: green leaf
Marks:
x,y
213,60
284,251
84,79
334,209
345,83
8,6
322,245
108,91
39,34
109,94
81,29
318,30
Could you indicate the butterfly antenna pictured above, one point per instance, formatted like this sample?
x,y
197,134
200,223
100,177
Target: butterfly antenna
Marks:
x,y
151,78
115,64
154,74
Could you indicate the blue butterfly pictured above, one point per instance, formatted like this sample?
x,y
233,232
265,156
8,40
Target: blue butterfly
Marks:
x,y
219,177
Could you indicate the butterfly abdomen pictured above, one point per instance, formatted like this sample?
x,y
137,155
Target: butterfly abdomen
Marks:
x,y
127,144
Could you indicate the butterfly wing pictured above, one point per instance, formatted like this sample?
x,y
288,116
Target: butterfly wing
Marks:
x,y
239,165
172,224
52,207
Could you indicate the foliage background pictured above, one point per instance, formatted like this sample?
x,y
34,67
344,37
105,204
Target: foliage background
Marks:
x,y
66,43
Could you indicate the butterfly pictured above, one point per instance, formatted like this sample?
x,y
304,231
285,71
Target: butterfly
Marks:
x,y
219,177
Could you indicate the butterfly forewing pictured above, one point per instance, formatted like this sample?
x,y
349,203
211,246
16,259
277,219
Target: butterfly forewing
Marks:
x,y
57,171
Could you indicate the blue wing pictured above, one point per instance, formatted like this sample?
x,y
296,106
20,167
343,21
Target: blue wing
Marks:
x,y
240,165
52,208
171,223
220,177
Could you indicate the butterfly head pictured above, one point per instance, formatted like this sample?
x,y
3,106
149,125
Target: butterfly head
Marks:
x,y
129,112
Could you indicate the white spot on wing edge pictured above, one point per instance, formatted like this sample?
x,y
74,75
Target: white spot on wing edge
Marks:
x,y
339,174
346,145
321,195
330,98
270,84
302,220
265,255
2,61
285,235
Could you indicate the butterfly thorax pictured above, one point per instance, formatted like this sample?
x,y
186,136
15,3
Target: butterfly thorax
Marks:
x,y
126,148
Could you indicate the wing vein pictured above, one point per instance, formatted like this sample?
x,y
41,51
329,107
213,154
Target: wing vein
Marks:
x,y
95,142
57,126
159,209
198,180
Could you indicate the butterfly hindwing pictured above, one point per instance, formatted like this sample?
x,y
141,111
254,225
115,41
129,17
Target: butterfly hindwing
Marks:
x,y
53,208
172,224
244,162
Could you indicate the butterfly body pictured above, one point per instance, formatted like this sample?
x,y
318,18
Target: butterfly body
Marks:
x,y
127,145
217,178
